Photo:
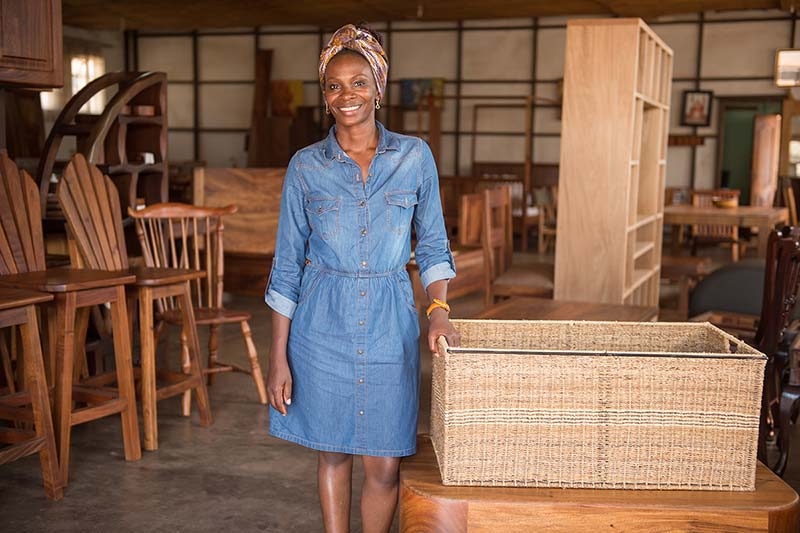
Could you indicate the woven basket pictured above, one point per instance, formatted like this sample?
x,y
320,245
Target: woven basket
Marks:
x,y
596,405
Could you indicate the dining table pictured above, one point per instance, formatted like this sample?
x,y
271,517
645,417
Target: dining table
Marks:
x,y
763,218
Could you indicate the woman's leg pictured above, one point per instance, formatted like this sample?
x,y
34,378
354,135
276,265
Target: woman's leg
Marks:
x,y
334,476
379,494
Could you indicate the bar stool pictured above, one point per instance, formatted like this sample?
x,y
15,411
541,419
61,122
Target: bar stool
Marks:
x,y
22,265
90,203
18,308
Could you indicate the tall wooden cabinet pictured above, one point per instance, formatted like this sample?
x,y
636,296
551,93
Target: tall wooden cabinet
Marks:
x,y
30,43
615,119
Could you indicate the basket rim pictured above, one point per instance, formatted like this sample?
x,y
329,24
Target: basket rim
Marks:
x,y
586,353
747,352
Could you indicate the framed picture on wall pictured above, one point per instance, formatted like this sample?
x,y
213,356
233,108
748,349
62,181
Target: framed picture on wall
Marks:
x,y
696,108
787,68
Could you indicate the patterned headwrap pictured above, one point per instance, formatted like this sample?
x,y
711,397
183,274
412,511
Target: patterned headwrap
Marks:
x,y
360,41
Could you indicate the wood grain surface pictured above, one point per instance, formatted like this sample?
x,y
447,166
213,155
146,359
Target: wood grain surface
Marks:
x,y
427,505
257,194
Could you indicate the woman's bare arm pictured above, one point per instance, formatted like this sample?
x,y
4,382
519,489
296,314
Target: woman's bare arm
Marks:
x,y
279,377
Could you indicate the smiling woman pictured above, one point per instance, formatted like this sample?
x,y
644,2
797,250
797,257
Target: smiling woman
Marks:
x,y
344,362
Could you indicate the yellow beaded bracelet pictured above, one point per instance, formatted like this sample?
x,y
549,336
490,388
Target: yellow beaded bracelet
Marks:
x,y
437,303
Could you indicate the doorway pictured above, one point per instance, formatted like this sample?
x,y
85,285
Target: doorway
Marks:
x,y
735,147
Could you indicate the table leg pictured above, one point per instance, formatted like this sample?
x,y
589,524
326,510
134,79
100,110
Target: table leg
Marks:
x,y
65,344
148,361
763,238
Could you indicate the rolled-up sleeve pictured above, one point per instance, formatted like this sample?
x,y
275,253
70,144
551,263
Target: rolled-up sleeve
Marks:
x,y
283,287
432,253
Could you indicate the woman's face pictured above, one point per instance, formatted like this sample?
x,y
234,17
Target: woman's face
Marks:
x,y
350,89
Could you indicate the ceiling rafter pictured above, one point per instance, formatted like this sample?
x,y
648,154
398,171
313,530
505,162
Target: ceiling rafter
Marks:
x,y
200,14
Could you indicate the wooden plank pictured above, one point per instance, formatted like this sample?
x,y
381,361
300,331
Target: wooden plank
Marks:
x,y
257,194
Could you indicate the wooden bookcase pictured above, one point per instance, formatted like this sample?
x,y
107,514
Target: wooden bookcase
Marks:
x,y
617,81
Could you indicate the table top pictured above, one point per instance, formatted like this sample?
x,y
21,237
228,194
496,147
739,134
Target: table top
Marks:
x,y
524,308
678,214
420,473
64,279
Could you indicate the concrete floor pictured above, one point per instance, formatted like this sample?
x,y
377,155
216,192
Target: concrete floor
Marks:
x,y
229,477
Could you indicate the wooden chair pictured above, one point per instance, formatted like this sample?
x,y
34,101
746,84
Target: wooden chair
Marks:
x,y
190,237
22,265
686,271
503,279
779,401
18,308
715,234
470,219
90,203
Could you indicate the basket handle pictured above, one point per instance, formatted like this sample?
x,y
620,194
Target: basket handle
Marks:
x,y
441,346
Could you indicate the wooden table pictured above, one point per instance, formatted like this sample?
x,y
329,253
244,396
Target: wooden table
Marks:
x,y
427,505
519,308
764,218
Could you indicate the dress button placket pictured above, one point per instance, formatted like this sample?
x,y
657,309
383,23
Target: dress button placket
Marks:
x,y
361,312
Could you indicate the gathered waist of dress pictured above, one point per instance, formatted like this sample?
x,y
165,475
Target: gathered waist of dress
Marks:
x,y
358,274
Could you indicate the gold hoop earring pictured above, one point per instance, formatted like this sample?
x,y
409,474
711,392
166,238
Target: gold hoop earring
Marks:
x,y
377,104
327,109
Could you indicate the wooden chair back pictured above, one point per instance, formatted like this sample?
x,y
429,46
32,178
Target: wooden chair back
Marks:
x,y
188,237
705,198
497,238
470,220
781,277
21,240
90,203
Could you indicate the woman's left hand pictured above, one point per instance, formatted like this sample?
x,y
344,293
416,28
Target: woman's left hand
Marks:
x,y
440,325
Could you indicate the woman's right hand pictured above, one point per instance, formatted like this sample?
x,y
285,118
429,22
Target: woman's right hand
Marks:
x,y
279,385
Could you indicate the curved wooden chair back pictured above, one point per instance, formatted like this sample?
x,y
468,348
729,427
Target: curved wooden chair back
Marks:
x,y
189,237
21,238
90,203
781,277
497,237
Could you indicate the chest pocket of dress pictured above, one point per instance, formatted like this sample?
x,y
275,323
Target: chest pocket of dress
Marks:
x,y
399,210
323,215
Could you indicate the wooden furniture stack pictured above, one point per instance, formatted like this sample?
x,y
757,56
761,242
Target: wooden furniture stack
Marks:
x,y
617,78
90,203
22,265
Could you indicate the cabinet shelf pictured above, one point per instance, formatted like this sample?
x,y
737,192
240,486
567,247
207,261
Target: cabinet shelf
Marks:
x,y
640,276
642,247
157,120
643,221
650,101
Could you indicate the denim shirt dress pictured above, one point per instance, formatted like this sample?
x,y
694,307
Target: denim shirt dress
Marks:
x,y
339,274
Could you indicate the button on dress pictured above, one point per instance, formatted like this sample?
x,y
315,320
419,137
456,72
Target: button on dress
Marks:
x,y
339,275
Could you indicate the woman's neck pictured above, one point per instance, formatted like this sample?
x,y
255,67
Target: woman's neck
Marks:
x,y
358,138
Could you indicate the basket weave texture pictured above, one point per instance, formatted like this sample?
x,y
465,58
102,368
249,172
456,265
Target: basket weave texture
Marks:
x,y
596,405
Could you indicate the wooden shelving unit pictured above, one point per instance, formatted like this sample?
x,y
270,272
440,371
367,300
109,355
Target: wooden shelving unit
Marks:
x,y
617,82
128,140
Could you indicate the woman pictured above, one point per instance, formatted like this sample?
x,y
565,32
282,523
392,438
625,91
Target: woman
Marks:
x,y
344,362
